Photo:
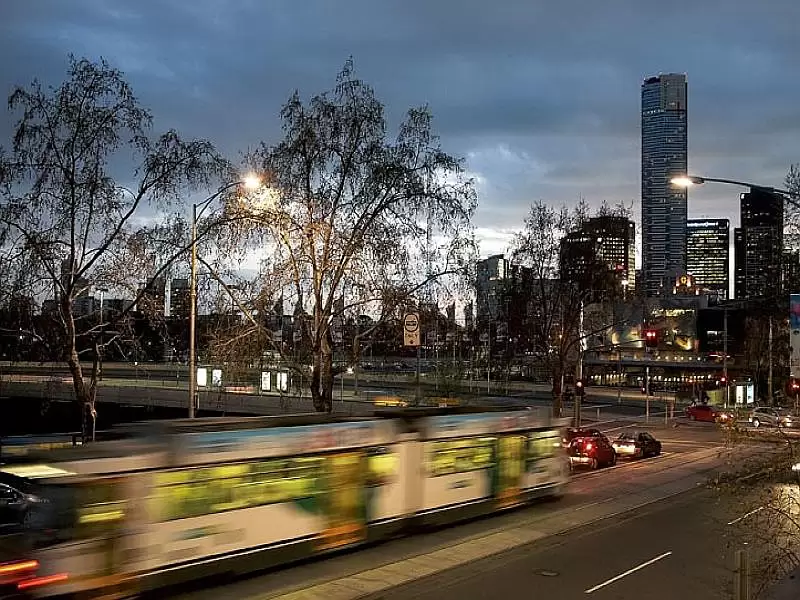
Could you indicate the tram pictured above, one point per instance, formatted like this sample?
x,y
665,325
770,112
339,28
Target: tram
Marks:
x,y
175,501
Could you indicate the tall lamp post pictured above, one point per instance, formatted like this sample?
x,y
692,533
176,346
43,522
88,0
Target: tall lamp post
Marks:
x,y
792,198
251,182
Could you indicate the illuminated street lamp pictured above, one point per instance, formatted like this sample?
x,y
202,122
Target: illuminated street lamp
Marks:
x,y
686,181
251,182
792,198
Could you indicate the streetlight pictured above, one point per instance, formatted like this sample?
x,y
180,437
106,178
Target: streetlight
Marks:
x,y
792,198
686,181
250,182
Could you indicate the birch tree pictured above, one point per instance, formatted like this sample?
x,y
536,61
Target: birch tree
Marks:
x,y
81,180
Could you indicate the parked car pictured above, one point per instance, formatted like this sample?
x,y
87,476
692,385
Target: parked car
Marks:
x,y
708,414
773,417
579,432
636,445
594,452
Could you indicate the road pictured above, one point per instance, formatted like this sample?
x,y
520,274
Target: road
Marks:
x,y
673,549
611,521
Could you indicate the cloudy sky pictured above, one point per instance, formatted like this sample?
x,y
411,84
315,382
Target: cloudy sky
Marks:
x,y
541,97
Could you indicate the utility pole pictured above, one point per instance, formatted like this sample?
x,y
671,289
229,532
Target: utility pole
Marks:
x,y
579,371
741,583
647,393
769,373
725,356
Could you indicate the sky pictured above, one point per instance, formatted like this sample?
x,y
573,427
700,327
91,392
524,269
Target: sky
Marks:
x,y
541,98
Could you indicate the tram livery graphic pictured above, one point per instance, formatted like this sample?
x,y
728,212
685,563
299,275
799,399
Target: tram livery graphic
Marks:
x,y
173,501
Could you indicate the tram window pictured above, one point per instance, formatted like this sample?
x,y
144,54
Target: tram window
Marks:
x,y
381,466
459,456
542,444
206,490
98,509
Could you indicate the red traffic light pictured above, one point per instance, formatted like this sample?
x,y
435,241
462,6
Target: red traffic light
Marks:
x,y
651,338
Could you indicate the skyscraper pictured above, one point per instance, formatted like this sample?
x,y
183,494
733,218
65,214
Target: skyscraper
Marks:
x,y
664,156
758,245
708,254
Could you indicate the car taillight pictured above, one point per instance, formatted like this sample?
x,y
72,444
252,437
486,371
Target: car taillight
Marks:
x,y
35,582
18,567
588,446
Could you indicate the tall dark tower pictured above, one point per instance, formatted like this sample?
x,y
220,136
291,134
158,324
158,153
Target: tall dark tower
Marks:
x,y
664,156
758,245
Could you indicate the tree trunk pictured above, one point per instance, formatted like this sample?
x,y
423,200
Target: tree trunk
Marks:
x,y
322,377
558,392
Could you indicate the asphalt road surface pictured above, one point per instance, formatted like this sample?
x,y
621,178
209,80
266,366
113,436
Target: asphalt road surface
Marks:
x,y
673,549
611,521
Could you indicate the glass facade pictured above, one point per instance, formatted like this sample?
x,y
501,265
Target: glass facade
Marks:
x,y
664,156
708,254
758,245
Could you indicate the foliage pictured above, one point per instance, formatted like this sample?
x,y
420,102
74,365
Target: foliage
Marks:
x,y
74,220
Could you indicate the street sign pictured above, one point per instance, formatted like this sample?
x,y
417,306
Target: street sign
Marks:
x,y
411,330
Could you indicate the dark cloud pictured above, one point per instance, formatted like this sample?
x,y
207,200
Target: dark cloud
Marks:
x,y
542,98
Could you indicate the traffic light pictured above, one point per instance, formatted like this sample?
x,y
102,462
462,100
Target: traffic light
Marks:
x,y
794,386
580,387
723,380
651,338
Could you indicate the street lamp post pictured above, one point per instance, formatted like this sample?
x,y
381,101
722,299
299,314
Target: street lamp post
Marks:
x,y
250,182
792,198
690,180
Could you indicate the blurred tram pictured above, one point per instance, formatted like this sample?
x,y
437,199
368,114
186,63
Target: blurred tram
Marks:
x,y
180,500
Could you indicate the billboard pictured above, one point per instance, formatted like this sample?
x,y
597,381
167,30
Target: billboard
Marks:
x,y
794,329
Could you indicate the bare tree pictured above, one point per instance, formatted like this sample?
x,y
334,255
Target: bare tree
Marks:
x,y
349,214
557,322
73,218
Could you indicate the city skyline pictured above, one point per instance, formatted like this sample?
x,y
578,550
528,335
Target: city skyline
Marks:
x,y
535,118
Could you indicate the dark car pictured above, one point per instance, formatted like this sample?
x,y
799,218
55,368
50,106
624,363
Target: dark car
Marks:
x,y
579,432
594,452
636,445
18,501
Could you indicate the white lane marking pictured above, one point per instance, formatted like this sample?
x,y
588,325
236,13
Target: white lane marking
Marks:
x,y
628,572
745,515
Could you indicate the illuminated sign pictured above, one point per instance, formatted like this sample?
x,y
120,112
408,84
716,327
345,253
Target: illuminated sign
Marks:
x,y
695,224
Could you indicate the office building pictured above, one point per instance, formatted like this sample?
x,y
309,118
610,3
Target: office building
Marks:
x,y
708,254
790,272
601,255
179,298
153,297
758,245
664,156
501,294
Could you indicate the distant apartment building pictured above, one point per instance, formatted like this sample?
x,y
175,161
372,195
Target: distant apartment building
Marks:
x,y
758,245
179,298
153,297
500,298
601,253
708,254
664,156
